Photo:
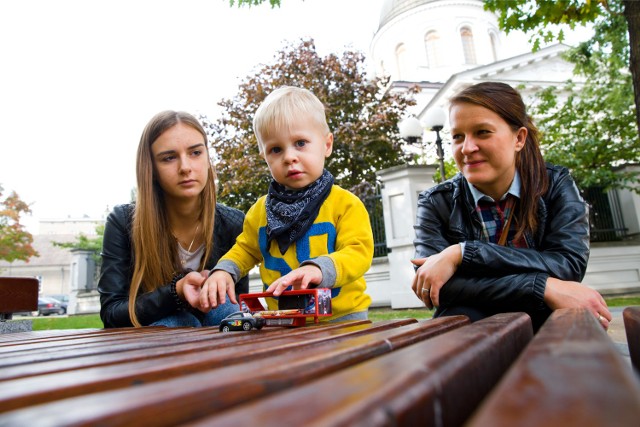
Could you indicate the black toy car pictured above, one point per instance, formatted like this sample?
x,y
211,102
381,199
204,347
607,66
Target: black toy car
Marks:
x,y
241,321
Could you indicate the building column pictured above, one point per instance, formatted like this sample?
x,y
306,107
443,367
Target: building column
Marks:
x,y
82,272
400,188
630,204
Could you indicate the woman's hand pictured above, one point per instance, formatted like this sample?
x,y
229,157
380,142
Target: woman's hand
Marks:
x,y
300,278
566,294
217,286
188,288
434,272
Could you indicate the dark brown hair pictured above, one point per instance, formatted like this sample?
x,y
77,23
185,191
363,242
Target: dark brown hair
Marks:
x,y
507,103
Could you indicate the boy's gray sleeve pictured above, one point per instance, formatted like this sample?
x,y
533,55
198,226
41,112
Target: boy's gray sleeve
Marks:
x,y
325,264
230,267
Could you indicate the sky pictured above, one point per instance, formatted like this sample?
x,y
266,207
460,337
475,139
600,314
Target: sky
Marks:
x,y
79,79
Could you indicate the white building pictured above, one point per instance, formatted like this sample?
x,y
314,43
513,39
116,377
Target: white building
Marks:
x,y
54,265
446,45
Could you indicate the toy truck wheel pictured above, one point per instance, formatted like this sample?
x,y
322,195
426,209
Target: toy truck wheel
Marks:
x,y
246,326
225,328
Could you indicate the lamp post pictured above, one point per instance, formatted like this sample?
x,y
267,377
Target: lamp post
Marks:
x,y
411,130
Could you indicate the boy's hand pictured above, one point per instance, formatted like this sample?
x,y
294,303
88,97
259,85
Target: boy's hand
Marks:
x,y
300,278
214,291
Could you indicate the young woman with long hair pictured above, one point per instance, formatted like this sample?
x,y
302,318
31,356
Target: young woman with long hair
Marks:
x,y
157,252
509,232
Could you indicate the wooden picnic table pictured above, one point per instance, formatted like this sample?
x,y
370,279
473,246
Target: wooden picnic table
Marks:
x,y
441,372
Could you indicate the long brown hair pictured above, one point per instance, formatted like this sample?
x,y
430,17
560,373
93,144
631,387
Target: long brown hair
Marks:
x,y
506,102
155,250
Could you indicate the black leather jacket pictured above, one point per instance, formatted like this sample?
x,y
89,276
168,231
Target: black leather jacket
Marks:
x,y
500,278
117,268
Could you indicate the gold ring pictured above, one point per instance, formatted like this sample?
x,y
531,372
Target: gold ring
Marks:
x,y
425,290
600,318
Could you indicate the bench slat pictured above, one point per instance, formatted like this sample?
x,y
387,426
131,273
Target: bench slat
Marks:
x,y
152,338
570,374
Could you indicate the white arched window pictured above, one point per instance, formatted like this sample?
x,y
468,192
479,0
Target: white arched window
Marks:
x,y
383,71
432,47
402,60
468,49
494,45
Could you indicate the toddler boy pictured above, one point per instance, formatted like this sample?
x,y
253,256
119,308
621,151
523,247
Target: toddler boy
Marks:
x,y
306,232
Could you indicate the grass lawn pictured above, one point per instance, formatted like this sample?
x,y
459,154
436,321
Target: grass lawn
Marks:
x,y
375,314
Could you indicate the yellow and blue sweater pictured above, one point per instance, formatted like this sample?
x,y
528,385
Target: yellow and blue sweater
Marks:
x,y
340,243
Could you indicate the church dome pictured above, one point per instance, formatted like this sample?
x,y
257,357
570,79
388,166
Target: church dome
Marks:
x,y
392,8
430,40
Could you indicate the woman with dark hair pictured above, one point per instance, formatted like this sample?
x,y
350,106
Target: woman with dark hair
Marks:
x,y
156,253
509,232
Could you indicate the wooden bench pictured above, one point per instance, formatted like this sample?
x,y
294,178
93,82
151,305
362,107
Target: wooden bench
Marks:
x,y
17,294
397,372
212,365
439,381
631,316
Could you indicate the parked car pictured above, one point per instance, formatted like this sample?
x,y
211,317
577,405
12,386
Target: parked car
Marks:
x,y
64,300
241,321
48,306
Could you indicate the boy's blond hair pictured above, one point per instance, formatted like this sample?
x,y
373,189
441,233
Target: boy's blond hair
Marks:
x,y
282,107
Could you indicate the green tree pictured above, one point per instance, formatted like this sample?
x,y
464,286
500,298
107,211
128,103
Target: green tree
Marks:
x,y
587,127
543,19
361,114
15,241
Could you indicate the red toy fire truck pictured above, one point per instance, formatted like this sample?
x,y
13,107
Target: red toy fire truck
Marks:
x,y
294,307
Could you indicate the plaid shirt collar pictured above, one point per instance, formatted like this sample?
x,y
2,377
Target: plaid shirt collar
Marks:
x,y
514,190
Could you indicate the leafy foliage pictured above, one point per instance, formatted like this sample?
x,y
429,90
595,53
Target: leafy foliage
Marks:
x,y
609,17
15,241
588,127
590,133
543,19
250,3
361,115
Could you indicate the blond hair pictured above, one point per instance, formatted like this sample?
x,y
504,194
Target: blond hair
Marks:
x,y
284,106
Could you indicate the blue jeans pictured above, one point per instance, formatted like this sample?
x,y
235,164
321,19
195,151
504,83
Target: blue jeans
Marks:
x,y
359,315
187,319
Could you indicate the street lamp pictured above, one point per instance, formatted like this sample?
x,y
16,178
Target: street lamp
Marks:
x,y
411,130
